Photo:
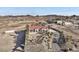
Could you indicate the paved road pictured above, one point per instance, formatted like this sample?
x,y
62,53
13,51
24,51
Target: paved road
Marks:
x,y
20,42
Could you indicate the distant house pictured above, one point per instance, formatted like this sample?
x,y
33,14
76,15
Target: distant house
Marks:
x,y
60,22
76,25
64,23
68,23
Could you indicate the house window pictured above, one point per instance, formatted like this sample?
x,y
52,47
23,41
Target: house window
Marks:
x,y
33,30
43,30
36,30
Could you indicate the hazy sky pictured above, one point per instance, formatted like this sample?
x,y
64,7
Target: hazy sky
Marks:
x,y
39,10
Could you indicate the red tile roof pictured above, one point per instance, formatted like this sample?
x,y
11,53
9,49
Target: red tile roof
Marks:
x,y
37,27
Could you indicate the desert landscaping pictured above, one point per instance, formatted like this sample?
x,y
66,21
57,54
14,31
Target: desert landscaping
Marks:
x,y
47,33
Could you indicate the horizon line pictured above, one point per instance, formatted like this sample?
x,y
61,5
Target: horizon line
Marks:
x,y
40,15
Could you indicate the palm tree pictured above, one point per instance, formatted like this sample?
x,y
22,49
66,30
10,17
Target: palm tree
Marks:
x,y
47,36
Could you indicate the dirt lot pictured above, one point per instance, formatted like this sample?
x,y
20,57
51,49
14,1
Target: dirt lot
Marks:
x,y
7,41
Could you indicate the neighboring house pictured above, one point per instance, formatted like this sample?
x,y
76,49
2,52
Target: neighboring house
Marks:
x,y
76,26
64,23
68,23
60,22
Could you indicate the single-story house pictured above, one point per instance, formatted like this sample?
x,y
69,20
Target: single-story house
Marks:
x,y
37,28
68,23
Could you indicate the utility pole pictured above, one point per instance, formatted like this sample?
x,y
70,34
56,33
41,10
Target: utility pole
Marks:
x,y
49,41
27,37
